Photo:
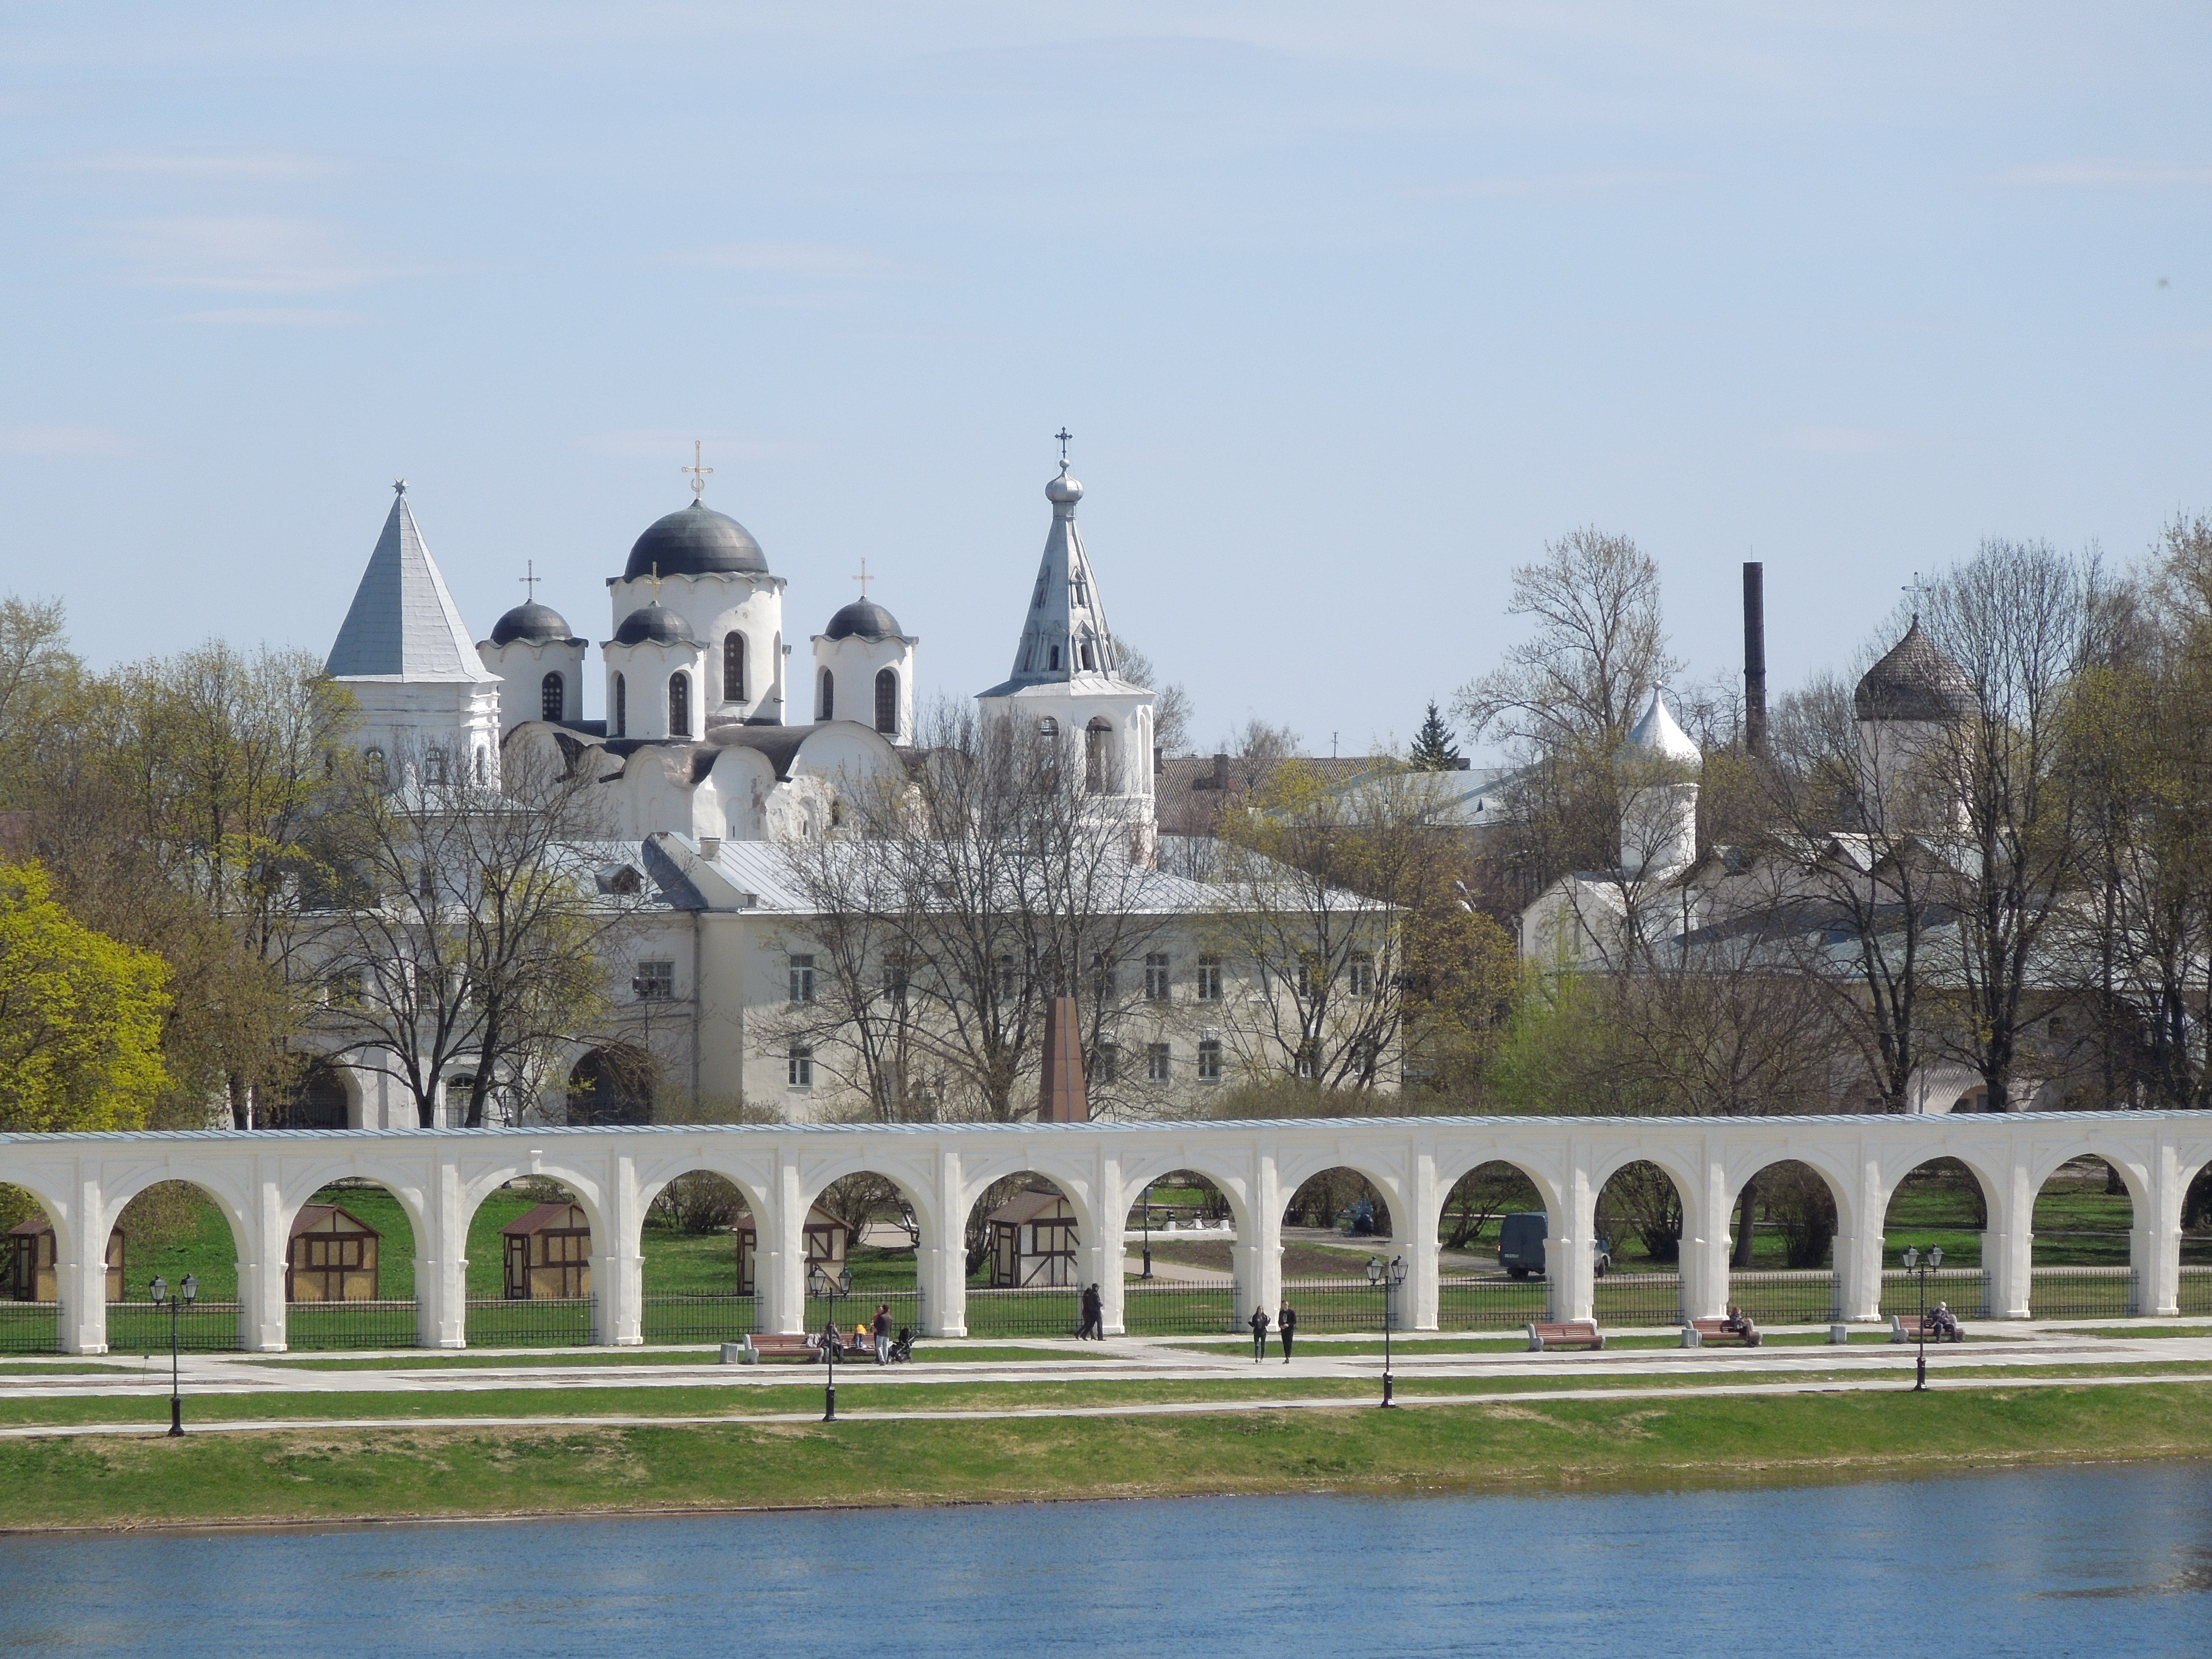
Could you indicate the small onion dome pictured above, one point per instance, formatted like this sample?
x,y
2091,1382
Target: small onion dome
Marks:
x,y
864,619
1063,491
1657,734
1917,681
531,624
655,624
695,541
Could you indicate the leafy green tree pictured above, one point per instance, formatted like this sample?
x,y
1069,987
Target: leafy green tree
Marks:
x,y
80,1017
1433,751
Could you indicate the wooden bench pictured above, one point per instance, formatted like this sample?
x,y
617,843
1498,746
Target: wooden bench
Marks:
x,y
1906,1327
1570,1334
1710,1331
774,1345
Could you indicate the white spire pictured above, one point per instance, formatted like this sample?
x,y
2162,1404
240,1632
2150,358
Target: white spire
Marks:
x,y
1657,734
1065,638
403,625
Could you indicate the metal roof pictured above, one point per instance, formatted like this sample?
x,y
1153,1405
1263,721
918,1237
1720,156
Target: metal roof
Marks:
x,y
403,625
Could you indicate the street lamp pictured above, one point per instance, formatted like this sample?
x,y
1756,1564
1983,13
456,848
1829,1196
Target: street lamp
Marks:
x,y
1920,1266
1147,1273
840,1286
159,1290
1386,1276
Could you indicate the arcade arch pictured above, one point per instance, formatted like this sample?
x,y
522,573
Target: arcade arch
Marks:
x,y
1481,1286
697,1277
529,1276
1024,1254
1781,1257
1638,1247
173,1230
349,1268
1940,1203
2082,1254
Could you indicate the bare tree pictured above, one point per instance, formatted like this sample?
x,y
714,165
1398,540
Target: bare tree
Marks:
x,y
1172,709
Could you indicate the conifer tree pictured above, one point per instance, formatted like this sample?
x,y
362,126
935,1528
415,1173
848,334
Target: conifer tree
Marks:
x,y
1433,751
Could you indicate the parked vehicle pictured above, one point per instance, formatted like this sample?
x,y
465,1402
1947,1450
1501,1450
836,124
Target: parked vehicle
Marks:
x,y
1521,1245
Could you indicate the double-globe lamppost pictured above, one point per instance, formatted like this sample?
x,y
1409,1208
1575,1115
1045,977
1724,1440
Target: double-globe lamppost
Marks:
x,y
159,1290
1147,1273
1920,1266
1386,1276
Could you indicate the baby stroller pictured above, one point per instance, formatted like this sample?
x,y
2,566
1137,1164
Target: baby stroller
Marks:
x,y
903,1349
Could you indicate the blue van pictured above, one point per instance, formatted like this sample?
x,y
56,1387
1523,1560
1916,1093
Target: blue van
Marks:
x,y
1521,1245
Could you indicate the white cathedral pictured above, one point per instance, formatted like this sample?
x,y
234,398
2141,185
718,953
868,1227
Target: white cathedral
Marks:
x,y
705,734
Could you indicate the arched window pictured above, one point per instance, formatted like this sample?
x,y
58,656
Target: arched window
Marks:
x,y
1048,729
1098,757
622,707
434,766
484,767
679,705
372,759
733,667
1054,664
887,701
552,698
1087,665
828,696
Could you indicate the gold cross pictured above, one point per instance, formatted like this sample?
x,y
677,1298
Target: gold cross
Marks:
x,y
698,472
656,581
863,579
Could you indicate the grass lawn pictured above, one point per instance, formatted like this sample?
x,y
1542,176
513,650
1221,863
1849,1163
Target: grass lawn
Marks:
x,y
309,1474
925,1352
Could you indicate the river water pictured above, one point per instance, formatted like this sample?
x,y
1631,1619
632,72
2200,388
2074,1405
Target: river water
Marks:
x,y
2050,1562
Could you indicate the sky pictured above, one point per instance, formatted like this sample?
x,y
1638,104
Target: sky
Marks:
x,y
1350,310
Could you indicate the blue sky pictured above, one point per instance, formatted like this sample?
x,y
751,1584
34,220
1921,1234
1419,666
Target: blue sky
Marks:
x,y
1349,308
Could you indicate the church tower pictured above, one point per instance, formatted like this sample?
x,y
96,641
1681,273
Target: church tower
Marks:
x,y
1659,818
426,699
1067,684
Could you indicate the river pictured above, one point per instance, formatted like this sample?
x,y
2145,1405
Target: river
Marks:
x,y
2047,1562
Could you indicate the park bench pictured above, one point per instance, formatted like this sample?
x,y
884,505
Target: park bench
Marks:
x,y
1906,1327
772,1345
1703,1332
1569,1334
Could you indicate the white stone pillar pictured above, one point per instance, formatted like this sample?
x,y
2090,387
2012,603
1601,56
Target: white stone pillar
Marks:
x,y
1260,1257
80,1259
1705,1259
261,1264
1858,1252
779,1261
943,1263
1110,1206
2009,1245
617,1259
1567,1242
1425,1205
2154,1243
441,1253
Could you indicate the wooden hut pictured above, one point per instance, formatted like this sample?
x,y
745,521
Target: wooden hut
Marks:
x,y
548,1254
331,1256
31,1266
829,1243
1032,1242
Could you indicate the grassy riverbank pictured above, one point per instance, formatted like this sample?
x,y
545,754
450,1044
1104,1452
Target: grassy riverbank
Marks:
x,y
1527,1443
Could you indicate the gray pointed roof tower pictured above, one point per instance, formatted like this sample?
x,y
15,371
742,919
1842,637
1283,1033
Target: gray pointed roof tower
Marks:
x,y
1065,639
425,699
403,625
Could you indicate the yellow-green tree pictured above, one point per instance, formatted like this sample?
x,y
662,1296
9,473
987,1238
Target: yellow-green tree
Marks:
x,y
80,1017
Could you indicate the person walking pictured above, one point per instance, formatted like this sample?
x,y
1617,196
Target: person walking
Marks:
x,y
883,1332
1286,1323
1094,1316
1259,1322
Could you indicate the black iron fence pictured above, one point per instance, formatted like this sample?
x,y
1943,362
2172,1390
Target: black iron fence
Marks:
x,y
550,1323
860,1309
2194,1291
1633,1299
144,1327
1337,1304
1156,1309
1496,1303
324,1325
30,1327
2081,1293
697,1318
1785,1298
1023,1313
1966,1289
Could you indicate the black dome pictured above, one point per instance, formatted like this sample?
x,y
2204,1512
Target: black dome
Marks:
x,y
656,624
1917,681
864,618
696,541
537,624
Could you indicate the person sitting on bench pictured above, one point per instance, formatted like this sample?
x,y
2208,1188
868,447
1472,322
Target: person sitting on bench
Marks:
x,y
1944,1324
1738,1322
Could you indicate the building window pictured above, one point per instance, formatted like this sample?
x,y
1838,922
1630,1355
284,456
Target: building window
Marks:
x,y
1209,979
1156,977
679,705
1310,979
1307,1067
655,982
1363,973
1054,663
1106,1067
1097,756
898,978
1082,597
1209,1059
1007,983
800,1071
887,701
552,698
829,709
1086,656
622,707
1048,729
373,760
802,979
1105,982
458,1091
1156,1062
733,667
434,766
